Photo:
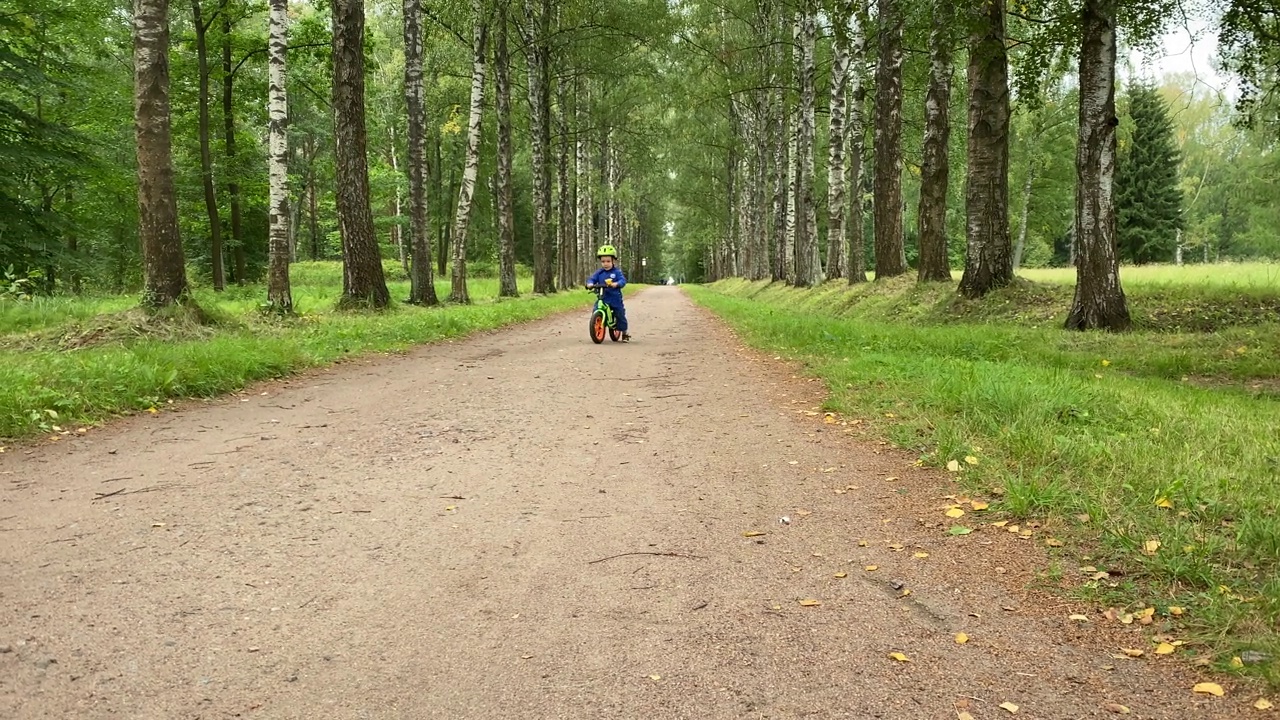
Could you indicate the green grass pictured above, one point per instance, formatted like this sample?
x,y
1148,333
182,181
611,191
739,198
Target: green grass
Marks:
x,y
67,362
1071,425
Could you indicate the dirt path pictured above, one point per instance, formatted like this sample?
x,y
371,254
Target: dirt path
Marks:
x,y
300,553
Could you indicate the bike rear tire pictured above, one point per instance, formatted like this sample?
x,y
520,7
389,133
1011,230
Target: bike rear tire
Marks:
x,y
597,327
615,334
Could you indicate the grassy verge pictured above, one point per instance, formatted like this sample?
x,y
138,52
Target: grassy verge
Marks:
x,y
1167,485
66,362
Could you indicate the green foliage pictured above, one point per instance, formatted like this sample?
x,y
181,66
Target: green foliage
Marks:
x,y
1148,197
1074,424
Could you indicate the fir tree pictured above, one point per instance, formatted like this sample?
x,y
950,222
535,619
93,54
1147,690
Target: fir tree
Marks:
x,y
1148,200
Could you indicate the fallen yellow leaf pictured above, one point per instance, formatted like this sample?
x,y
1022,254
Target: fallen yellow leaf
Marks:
x,y
979,505
963,716
1053,542
1000,523
1079,618
971,459
899,657
955,513
841,575
1236,662
1164,503
872,568
1263,704
753,533
1208,688
1164,648
1150,547
862,543
953,466
1116,708
1132,652
921,555
1175,611
810,602
1009,706
961,638
655,678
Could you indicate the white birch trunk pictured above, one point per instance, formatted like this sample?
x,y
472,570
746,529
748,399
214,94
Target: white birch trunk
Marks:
x,y
466,193
279,294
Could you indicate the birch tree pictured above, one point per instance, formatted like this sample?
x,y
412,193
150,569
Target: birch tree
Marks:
x,y
890,254
201,26
279,294
989,256
535,35
363,282
471,167
857,133
837,141
1099,300
422,287
934,264
808,264
163,269
506,212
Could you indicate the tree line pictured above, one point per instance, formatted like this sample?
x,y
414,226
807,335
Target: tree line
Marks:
x,y
797,140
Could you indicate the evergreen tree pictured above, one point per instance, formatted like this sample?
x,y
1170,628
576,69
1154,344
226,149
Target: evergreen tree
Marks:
x,y
1148,199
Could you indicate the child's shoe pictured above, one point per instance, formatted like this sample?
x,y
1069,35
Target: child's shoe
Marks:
x,y
626,337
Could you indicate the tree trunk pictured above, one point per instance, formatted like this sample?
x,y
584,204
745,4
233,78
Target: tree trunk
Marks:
x,y
444,228
1026,215
837,142
164,272
1099,300
808,269
397,201
506,213
890,252
566,256
466,193
857,135
582,167
781,161
73,248
935,266
537,14
279,294
229,143
206,155
313,219
363,281
988,260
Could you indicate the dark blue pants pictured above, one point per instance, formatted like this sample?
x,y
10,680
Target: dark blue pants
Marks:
x,y
620,314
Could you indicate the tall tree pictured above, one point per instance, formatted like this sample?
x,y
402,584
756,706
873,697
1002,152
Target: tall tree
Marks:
x,y
422,286
989,256
506,213
808,265
363,281
780,131
1099,300
838,140
466,192
164,272
537,50
206,155
229,146
857,144
935,265
891,257
1148,196
279,294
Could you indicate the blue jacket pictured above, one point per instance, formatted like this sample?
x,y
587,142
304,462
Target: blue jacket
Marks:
x,y
612,295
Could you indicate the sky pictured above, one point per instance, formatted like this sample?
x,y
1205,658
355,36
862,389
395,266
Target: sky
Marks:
x,y
1187,48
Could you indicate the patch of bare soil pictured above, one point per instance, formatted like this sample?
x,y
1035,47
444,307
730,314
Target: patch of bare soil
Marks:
x,y
527,525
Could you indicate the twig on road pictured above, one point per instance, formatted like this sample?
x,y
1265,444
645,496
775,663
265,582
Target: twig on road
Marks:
x,y
659,554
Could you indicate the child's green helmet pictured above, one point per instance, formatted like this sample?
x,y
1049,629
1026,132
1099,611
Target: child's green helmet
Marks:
x,y
609,250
